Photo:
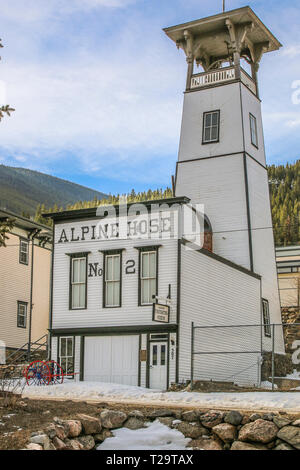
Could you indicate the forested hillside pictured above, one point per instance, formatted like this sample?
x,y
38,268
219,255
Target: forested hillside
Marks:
x,y
284,182
21,190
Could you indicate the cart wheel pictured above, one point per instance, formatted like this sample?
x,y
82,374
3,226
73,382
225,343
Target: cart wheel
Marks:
x,y
57,373
38,373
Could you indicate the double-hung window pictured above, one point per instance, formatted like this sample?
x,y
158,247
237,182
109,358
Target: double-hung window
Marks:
x,y
211,127
253,130
112,280
78,294
266,317
24,251
22,315
148,277
66,354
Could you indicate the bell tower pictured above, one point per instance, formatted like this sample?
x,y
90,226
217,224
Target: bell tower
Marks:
x,y
221,161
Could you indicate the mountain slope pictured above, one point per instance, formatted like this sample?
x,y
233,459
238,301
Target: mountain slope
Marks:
x,y
21,190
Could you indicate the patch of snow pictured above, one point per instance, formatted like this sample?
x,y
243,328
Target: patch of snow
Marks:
x,y
295,375
139,395
176,421
268,385
156,436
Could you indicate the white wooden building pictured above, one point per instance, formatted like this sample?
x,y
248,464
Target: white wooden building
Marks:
x,y
104,323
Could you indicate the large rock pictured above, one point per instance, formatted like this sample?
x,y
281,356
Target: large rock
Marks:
x,y
233,417
58,443
291,435
87,442
258,431
281,422
160,413
74,444
205,444
136,414
167,421
90,425
284,446
297,423
41,439
51,431
33,446
255,417
194,431
60,432
103,435
211,418
190,416
225,431
73,427
111,419
134,423
237,445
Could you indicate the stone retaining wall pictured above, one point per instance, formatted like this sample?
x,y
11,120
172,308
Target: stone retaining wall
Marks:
x,y
207,430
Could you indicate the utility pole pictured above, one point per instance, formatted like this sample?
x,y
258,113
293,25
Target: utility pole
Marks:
x,y
223,6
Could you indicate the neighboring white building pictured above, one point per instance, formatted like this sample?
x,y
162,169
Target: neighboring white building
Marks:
x,y
288,269
105,283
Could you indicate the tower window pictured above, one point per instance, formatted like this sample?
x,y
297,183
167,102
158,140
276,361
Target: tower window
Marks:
x,y
253,130
211,127
266,317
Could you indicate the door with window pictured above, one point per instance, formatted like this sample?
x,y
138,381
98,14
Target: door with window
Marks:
x,y
158,365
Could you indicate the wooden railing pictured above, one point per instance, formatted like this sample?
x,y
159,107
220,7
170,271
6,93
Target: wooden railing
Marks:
x,y
221,76
247,80
213,77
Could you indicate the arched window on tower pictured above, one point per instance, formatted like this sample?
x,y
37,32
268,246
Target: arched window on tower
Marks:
x,y
208,235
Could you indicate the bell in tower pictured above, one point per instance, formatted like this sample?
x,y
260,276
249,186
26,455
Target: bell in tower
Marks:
x,y
221,162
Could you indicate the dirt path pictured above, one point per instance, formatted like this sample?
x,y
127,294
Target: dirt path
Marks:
x,y
171,405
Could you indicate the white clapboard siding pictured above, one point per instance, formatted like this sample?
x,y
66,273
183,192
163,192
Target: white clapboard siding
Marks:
x,y
54,348
250,104
213,293
143,364
172,358
219,184
263,243
95,315
77,358
227,100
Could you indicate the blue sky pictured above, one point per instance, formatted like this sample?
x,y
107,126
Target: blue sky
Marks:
x,y
98,87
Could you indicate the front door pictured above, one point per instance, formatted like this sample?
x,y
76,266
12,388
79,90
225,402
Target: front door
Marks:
x,y
158,365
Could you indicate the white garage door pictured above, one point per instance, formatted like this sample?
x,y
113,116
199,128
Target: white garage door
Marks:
x,y
112,359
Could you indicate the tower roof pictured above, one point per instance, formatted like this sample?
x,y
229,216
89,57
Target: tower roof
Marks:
x,y
213,35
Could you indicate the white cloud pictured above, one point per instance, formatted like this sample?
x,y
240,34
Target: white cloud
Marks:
x,y
292,51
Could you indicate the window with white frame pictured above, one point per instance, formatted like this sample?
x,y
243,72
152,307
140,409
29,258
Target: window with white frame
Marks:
x,y
22,315
78,283
211,127
148,277
266,317
66,354
24,252
112,280
253,130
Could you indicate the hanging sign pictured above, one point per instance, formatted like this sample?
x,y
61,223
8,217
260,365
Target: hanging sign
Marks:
x,y
161,313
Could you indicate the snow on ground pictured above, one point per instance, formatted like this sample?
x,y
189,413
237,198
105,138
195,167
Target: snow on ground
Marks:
x,y
156,436
138,395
